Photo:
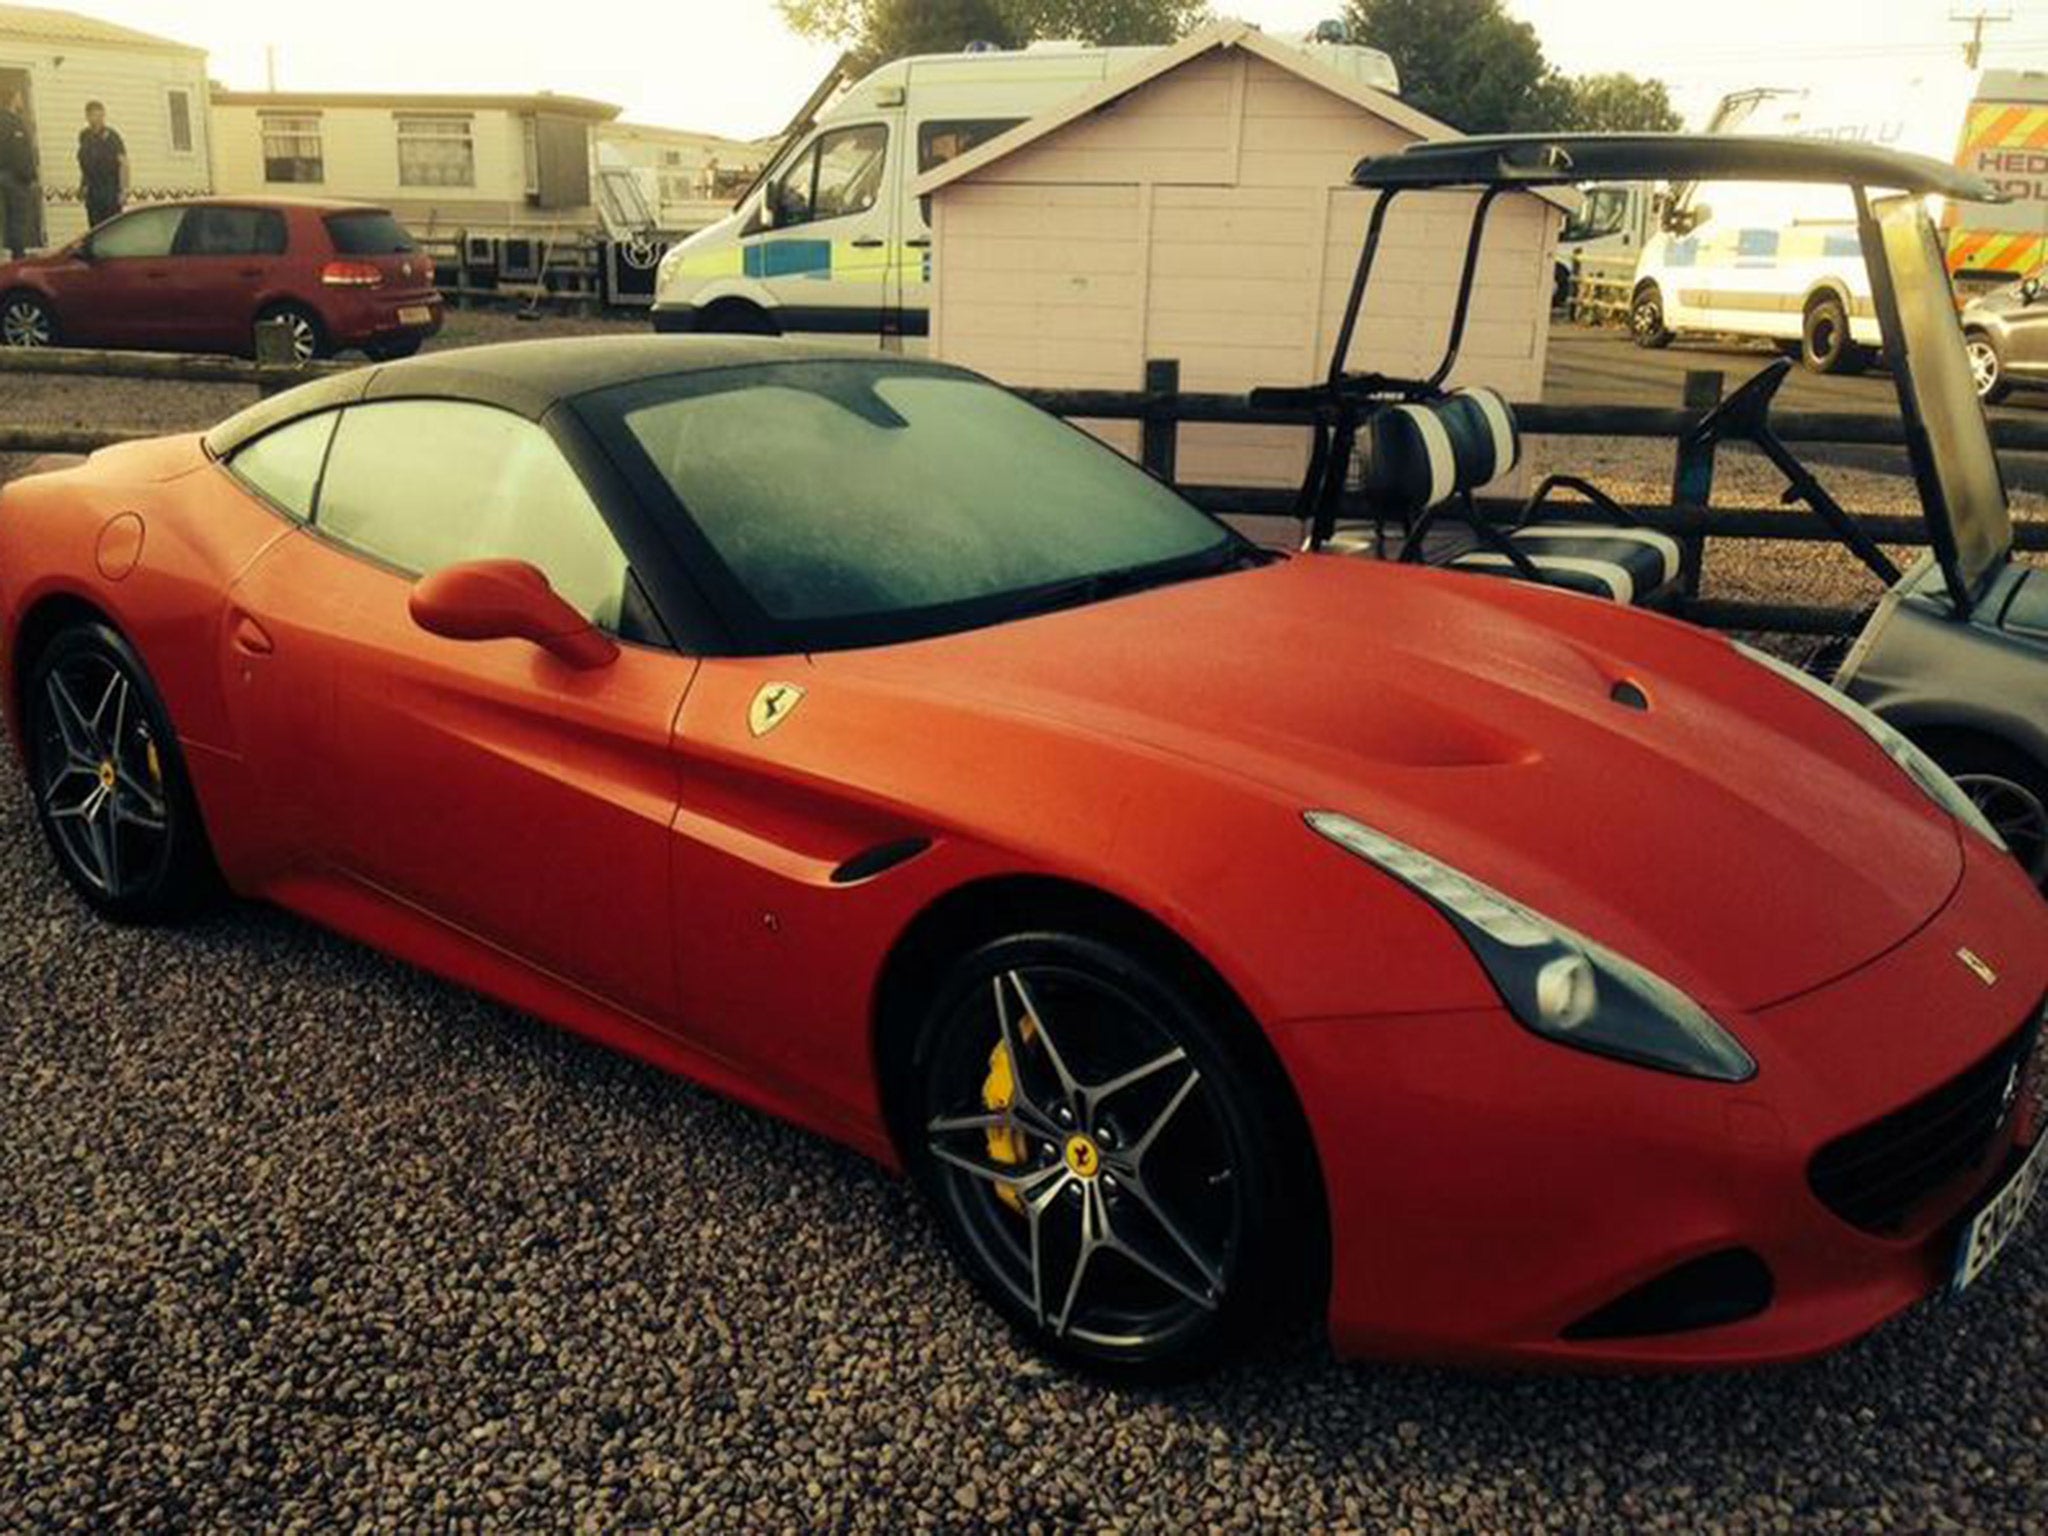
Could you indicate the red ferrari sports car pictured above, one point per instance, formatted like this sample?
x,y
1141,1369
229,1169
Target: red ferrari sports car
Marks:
x,y
1212,935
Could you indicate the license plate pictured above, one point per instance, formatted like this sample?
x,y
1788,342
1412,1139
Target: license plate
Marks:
x,y
1994,1224
415,314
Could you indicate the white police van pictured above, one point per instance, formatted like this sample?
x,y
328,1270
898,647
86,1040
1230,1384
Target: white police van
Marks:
x,y
829,238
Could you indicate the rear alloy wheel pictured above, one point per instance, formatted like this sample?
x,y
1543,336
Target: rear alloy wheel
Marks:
x,y
308,340
110,783
26,321
1646,319
1110,1173
1987,368
1826,343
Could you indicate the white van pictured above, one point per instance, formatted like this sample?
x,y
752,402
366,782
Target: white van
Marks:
x,y
829,239
1784,262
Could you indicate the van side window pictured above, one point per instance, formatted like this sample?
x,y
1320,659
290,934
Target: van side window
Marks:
x,y
840,174
939,141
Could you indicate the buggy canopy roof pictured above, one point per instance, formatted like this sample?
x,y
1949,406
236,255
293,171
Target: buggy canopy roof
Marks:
x,y
1542,160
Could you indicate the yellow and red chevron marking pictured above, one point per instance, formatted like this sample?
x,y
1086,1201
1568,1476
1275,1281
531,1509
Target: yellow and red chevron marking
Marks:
x,y
1980,250
1998,127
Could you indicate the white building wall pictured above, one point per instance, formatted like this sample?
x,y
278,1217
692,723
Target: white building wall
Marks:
x,y
135,82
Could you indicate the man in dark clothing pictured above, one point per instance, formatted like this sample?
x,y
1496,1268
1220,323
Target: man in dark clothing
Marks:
x,y
17,175
102,166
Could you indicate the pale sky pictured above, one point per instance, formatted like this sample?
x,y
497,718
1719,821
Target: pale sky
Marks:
x,y
729,66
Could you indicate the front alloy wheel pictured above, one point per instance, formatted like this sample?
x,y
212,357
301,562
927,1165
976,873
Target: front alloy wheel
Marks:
x,y
2017,813
25,321
1107,1176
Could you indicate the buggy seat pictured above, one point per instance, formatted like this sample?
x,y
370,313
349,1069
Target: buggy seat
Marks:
x,y
1418,459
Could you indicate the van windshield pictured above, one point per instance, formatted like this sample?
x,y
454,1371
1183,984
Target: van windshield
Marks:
x,y
853,502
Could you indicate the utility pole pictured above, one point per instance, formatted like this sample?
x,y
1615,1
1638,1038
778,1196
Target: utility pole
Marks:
x,y
1976,21
270,68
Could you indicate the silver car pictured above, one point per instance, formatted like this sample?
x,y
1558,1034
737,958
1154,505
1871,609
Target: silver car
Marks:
x,y
2006,331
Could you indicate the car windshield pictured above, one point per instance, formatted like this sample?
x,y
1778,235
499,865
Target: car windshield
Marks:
x,y
852,502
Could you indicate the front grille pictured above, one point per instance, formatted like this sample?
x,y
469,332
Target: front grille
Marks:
x,y
1875,1177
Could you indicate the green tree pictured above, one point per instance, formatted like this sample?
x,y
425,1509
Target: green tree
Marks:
x,y
1465,61
1619,103
875,31
1473,65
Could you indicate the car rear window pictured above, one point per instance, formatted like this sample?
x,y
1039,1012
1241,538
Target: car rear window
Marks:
x,y
373,233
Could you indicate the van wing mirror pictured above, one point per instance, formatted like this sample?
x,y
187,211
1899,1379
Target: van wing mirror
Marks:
x,y
2030,289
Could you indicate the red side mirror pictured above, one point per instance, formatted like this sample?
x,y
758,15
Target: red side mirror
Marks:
x,y
507,600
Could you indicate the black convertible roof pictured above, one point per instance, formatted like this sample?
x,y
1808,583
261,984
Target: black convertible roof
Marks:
x,y
526,377
1549,159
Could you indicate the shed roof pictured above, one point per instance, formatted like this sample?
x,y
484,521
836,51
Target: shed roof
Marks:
x,y
45,25
1217,37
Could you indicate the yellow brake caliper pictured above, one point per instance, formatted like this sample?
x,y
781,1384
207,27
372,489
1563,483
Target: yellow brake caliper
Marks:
x,y
998,1093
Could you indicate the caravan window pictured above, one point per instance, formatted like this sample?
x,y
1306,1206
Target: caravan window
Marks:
x,y
291,147
938,142
840,174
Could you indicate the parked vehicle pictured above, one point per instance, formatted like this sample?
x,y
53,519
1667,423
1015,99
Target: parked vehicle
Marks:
x,y
2006,332
830,238
1609,231
1783,262
1212,934
198,276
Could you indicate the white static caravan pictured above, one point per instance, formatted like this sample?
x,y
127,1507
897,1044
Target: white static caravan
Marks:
x,y
689,180
492,166
1198,208
155,95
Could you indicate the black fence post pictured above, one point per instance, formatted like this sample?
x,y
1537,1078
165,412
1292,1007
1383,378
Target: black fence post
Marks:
x,y
1159,449
1692,477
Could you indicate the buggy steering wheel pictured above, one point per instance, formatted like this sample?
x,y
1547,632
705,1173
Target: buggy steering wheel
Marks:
x,y
1746,410
1745,416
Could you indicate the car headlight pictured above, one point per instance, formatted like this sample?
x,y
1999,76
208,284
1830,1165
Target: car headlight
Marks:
x,y
1559,983
1923,770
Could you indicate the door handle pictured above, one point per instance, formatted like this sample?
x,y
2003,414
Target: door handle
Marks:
x,y
251,638
250,272
922,243
869,243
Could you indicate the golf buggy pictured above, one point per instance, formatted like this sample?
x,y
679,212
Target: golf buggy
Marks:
x,y
1955,654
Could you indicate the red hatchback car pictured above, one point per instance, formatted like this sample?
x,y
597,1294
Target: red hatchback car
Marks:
x,y
198,276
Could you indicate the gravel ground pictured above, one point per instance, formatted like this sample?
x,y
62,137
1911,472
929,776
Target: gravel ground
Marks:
x,y
291,1235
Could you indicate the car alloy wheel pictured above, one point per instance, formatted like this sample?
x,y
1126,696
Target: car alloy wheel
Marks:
x,y
100,776
1984,367
2016,812
1095,1175
24,322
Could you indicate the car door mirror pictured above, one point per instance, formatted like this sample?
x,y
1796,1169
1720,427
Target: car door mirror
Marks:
x,y
2030,289
507,600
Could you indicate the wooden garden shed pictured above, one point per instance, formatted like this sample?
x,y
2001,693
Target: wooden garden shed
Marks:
x,y
1197,207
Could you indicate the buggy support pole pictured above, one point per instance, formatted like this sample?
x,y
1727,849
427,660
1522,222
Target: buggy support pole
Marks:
x,y
1359,278
1465,281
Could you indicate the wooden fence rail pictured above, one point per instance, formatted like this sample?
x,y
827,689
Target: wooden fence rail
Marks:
x,y
1162,410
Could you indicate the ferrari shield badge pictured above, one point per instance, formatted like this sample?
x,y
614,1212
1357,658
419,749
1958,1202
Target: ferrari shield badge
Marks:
x,y
775,703
1978,967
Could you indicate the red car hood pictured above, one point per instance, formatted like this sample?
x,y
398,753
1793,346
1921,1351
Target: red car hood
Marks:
x,y
1735,835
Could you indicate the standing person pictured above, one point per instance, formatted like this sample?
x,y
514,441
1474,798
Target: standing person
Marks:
x,y
102,166
17,174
